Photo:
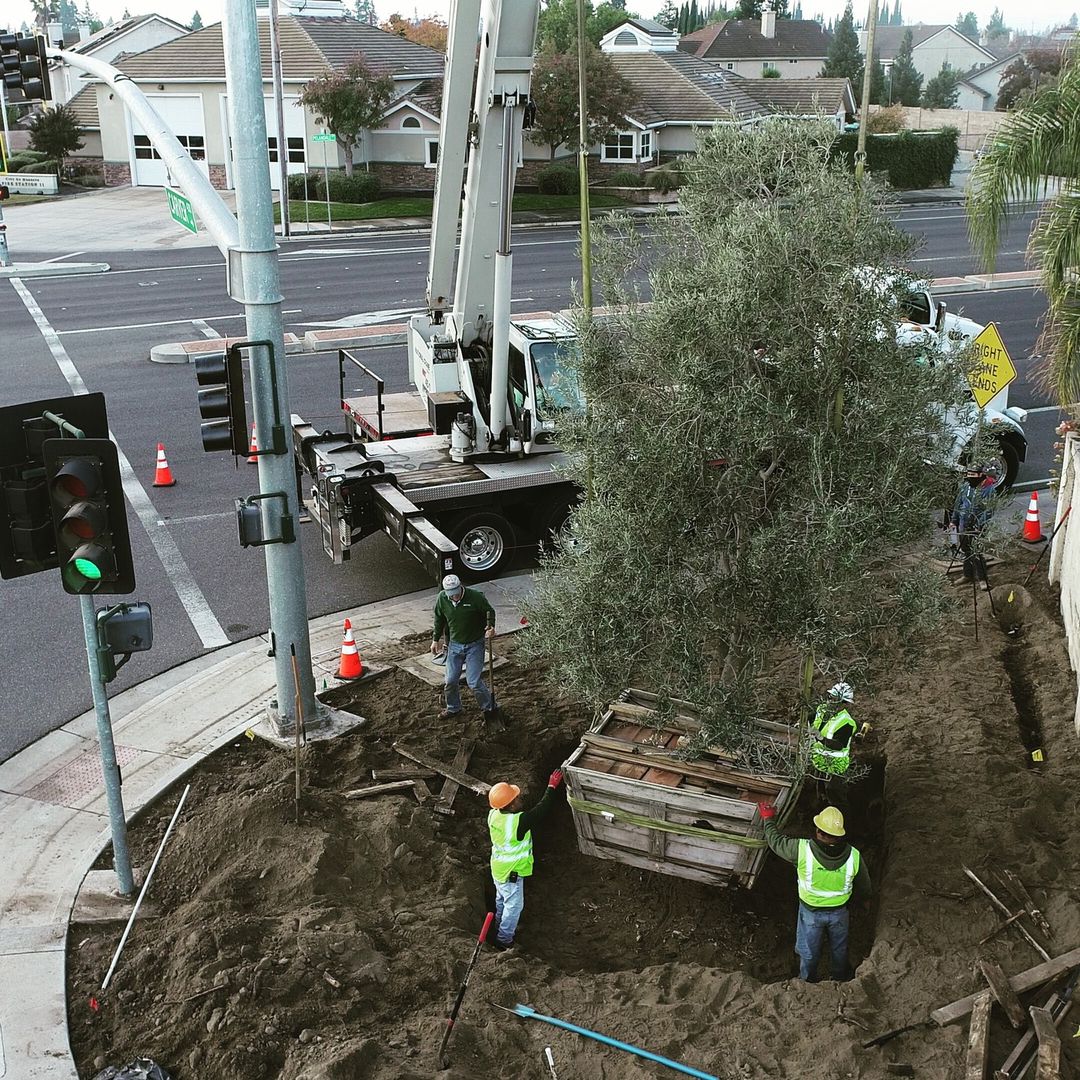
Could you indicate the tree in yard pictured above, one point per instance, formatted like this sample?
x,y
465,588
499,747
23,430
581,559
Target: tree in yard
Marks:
x,y
751,9
905,78
996,28
755,450
1039,139
968,25
943,90
365,12
668,15
56,132
349,102
555,91
844,60
196,22
557,25
431,32
879,83
1037,67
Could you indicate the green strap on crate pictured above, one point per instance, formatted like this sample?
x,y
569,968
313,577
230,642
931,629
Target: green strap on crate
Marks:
x,y
664,826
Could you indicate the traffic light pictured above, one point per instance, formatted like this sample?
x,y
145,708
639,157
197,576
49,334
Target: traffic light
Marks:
x,y
86,497
25,65
221,402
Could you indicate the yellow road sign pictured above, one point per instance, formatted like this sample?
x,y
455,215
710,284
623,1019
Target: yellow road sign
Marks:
x,y
993,367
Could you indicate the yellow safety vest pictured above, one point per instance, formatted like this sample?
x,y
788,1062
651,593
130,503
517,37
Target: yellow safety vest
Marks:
x,y
821,887
507,852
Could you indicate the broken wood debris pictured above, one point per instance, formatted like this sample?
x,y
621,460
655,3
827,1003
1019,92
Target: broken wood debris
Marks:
x,y
462,778
978,1051
328,978
1000,905
1000,926
1019,1062
380,789
1012,884
444,804
1003,993
888,1036
1049,1056
404,772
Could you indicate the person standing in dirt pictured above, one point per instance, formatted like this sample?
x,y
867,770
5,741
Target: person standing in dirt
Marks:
x,y
469,619
510,828
971,514
833,729
829,871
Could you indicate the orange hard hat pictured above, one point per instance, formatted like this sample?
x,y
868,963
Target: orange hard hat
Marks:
x,y
502,794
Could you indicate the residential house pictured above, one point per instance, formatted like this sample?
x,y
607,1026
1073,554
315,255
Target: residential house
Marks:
x,y
978,89
796,48
931,46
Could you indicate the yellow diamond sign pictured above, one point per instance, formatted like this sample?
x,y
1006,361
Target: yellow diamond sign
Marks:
x,y
993,367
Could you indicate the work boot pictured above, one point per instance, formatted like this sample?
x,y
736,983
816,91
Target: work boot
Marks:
x,y
446,714
498,946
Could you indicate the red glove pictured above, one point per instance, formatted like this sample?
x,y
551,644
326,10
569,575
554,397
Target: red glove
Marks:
x,y
766,810
555,779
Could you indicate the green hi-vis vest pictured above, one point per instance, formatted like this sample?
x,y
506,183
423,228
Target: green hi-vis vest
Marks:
x,y
824,759
820,887
507,852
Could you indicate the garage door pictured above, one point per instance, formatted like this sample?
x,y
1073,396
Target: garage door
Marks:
x,y
294,136
184,117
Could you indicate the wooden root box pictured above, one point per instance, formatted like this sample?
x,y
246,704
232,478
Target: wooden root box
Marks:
x,y
636,802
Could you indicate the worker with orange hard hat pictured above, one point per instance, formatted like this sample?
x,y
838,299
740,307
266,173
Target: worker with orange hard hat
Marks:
x,y
510,828
829,870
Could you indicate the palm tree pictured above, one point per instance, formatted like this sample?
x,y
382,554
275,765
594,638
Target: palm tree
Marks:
x,y
1038,141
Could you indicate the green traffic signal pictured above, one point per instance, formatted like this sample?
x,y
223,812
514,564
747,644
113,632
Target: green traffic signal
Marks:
x,y
88,569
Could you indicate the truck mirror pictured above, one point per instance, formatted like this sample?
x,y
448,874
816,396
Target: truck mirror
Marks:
x,y
939,321
526,426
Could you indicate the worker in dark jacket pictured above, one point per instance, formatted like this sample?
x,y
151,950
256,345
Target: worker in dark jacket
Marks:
x,y
510,828
470,620
829,870
970,516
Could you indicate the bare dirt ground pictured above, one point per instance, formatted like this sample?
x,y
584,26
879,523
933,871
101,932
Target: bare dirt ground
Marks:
x,y
229,979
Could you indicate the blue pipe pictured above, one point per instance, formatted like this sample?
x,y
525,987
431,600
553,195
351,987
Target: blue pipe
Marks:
x,y
531,1014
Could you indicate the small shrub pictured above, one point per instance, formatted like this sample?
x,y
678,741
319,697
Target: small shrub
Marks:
x,y
361,187
557,180
88,180
314,182
25,157
666,180
40,167
771,73
626,178
887,121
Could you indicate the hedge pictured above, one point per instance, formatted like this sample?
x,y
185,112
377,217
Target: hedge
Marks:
x,y
909,159
557,180
361,187
25,157
41,167
314,185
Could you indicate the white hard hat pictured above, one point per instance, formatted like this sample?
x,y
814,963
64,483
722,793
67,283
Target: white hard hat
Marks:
x,y
452,584
842,692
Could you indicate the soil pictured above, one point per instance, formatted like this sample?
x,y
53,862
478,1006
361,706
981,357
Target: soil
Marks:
x,y
256,913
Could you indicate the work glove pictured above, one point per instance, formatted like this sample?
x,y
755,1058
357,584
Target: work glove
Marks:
x,y
489,633
766,810
555,779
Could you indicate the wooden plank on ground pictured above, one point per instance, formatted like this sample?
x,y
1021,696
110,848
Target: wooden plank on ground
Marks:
x,y
378,789
445,802
1003,993
403,773
470,782
978,1051
1022,982
1048,1065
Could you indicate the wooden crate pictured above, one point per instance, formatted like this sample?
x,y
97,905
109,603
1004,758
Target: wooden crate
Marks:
x,y
635,801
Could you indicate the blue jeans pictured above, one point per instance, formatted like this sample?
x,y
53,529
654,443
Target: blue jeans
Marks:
x,y
509,901
471,658
814,924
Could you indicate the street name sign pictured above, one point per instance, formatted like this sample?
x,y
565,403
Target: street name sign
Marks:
x,y
993,368
183,213
326,136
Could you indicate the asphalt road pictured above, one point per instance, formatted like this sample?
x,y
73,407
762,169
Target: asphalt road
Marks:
x,y
99,330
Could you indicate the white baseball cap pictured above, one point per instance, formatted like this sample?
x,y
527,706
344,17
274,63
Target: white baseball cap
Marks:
x,y
452,584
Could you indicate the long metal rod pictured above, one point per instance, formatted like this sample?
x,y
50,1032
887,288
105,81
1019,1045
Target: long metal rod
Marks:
x,y
868,71
142,891
110,770
583,165
3,113
279,109
261,292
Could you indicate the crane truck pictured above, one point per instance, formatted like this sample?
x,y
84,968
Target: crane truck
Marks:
x,y
466,470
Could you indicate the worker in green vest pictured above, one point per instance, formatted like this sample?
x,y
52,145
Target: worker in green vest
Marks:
x,y
829,871
510,828
832,730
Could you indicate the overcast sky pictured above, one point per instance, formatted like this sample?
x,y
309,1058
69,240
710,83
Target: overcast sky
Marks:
x,y
1020,14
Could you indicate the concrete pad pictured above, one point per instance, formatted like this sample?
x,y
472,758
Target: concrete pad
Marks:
x,y
98,900
185,352
33,1038
425,668
41,759
332,723
355,337
42,270
28,939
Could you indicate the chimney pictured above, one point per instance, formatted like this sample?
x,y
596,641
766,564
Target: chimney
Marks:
x,y
84,30
54,34
768,21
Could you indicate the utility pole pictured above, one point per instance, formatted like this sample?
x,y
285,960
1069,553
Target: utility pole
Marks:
x,y
279,108
3,113
868,71
583,165
256,282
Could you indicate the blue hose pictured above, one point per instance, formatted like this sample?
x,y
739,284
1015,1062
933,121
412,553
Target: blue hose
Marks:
x,y
531,1014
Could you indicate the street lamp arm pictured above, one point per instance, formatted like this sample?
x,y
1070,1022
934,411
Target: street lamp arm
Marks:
x,y
216,216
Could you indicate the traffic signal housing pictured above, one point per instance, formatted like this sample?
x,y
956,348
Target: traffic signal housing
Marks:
x,y
221,402
86,496
25,66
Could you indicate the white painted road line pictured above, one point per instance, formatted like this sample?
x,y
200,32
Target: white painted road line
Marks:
x,y
196,517
191,597
61,258
205,328
163,322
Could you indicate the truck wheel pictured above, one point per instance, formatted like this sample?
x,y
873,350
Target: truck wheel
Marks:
x,y
551,520
1003,466
485,543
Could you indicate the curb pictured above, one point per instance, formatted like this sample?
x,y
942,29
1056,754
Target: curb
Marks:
x,y
369,337
21,270
1022,279
184,352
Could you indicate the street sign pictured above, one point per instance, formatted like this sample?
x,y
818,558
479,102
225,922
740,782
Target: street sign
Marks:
x,y
993,369
32,183
326,136
183,213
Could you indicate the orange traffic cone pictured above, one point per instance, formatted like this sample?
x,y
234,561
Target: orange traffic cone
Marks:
x,y
163,476
351,666
1033,533
253,447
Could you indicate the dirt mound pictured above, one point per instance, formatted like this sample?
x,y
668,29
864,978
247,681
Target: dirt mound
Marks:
x,y
261,916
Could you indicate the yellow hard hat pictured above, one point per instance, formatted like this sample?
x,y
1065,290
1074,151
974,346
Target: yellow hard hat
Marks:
x,y
502,794
829,821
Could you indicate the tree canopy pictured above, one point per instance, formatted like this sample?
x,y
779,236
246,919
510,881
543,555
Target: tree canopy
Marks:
x,y
755,450
1037,67
431,31
349,102
844,60
557,25
196,22
996,28
943,90
968,25
904,78
56,132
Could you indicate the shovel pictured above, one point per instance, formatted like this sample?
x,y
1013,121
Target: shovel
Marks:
x,y
496,712
444,1059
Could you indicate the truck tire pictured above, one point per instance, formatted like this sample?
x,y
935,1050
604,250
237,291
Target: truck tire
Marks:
x,y
550,520
486,544
1006,464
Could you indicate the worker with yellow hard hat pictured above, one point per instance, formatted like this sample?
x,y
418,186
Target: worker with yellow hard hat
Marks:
x,y
510,828
829,871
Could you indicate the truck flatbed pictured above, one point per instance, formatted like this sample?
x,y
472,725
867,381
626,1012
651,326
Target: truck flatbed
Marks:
x,y
403,415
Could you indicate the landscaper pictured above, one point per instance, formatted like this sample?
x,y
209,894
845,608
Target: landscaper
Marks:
x,y
828,870
512,851
832,729
470,619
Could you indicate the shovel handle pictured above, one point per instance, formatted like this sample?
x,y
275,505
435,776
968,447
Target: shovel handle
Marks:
x,y
486,927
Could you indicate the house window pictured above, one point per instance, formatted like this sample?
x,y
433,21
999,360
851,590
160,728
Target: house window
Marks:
x,y
731,67
618,147
294,146
626,37
410,123
646,146
432,153
144,151
793,61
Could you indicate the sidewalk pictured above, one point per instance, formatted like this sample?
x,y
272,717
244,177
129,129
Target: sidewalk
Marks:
x,y
54,819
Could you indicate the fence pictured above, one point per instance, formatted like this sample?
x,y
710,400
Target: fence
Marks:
x,y
973,126
1065,555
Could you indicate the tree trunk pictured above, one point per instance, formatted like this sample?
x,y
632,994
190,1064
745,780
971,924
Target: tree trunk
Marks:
x,y
347,152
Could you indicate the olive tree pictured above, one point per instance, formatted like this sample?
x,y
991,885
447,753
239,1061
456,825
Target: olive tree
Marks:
x,y
760,457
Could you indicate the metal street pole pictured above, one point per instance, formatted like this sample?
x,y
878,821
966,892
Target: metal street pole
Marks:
x,y
868,71
279,107
259,289
3,113
583,165
109,768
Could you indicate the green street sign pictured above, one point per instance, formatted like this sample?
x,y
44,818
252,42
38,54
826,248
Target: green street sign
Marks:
x,y
183,213
326,136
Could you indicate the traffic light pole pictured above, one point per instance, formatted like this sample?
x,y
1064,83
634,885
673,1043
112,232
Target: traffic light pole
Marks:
x,y
256,283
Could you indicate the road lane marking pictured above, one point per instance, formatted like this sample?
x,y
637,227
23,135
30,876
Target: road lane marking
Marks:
x,y
163,322
183,582
205,328
60,258
196,517
1048,408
